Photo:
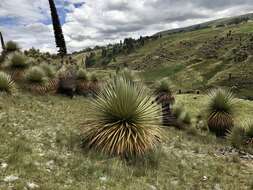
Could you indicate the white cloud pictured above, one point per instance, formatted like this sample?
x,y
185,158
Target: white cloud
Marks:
x,y
97,22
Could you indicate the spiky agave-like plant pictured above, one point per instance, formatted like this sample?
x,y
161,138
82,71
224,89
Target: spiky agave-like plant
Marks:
x,y
220,110
125,121
165,97
242,135
36,75
7,85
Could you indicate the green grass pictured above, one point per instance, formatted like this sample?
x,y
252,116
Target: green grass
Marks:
x,y
40,142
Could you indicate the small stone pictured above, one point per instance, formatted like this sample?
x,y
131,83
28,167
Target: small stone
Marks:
x,y
103,178
32,186
217,187
204,178
152,187
10,178
4,165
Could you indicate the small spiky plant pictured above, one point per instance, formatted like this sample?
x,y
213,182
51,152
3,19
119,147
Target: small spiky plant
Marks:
x,y
125,121
166,99
128,74
82,75
49,70
7,85
36,75
11,46
18,61
242,135
220,110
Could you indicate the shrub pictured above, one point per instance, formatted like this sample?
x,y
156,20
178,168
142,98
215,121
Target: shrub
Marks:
x,y
35,75
49,70
11,46
164,93
128,74
94,78
6,83
220,110
241,135
186,118
82,75
124,120
18,61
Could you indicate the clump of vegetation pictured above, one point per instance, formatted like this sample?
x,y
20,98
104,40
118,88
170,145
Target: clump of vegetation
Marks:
x,y
82,75
181,118
165,97
11,46
128,74
220,111
49,70
125,121
36,75
242,136
18,61
6,83
2,58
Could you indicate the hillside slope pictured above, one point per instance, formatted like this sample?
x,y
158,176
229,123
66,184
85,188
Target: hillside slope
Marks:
x,y
198,59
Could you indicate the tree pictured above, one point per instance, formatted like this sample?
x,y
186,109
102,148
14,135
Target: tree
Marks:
x,y
59,37
2,41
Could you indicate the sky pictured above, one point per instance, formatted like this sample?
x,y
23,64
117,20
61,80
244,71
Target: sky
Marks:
x,y
87,23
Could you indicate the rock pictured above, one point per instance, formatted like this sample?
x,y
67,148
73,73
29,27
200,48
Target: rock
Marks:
x,y
204,178
103,178
32,186
217,187
4,165
11,178
152,187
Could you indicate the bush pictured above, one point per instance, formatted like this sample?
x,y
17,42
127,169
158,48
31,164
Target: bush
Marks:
x,y
18,61
35,75
128,74
124,120
94,78
220,111
49,70
164,92
11,46
6,83
82,75
242,135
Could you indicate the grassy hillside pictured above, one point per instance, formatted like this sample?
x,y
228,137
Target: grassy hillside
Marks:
x,y
40,146
214,56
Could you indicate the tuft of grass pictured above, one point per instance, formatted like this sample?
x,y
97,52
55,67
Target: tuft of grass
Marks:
x,y
11,46
124,120
36,75
6,83
220,111
18,61
128,74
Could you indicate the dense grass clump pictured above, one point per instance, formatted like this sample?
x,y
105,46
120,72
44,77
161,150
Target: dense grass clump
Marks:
x,y
128,74
242,135
36,75
18,61
6,83
220,110
11,46
124,120
82,75
49,70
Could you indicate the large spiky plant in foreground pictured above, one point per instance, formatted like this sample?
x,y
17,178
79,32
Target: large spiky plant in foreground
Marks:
x,y
59,37
6,83
220,110
125,121
2,41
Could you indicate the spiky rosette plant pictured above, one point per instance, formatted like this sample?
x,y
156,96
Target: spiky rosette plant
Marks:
x,y
125,121
36,75
242,135
220,110
7,85
11,46
82,75
165,97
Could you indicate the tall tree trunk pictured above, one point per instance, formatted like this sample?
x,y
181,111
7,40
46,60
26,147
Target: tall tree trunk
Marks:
x,y
59,37
2,42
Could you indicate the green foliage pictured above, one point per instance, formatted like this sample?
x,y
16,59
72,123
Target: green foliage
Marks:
x,y
36,75
163,86
18,61
128,74
186,119
82,75
220,110
11,46
2,58
164,92
242,135
49,70
124,120
94,78
6,83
